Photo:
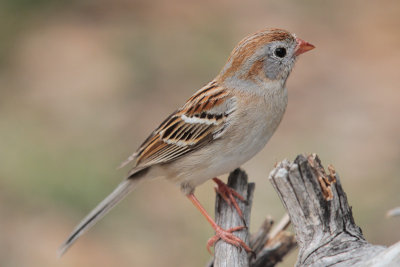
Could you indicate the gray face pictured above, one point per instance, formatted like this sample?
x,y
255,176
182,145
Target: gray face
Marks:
x,y
280,59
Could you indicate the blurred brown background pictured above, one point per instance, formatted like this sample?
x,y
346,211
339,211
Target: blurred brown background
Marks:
x,y
82,83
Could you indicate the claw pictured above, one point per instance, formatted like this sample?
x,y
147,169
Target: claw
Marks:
x,y
228,194
220,233
228,237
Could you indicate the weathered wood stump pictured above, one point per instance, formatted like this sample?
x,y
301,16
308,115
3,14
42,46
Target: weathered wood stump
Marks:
x,y
322,219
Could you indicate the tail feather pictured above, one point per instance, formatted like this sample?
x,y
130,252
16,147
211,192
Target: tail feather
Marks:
x,y
119,193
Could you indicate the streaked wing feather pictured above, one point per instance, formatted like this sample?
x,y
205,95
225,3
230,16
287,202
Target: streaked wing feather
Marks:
x,y
187,129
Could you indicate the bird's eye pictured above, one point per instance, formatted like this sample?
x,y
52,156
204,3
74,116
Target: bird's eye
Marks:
x,y
280,52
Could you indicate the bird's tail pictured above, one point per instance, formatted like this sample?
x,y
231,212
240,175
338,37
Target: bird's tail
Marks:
x,y
119,193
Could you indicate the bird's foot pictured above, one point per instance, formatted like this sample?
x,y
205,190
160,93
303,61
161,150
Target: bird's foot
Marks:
x,y
220,233
228,194
228,237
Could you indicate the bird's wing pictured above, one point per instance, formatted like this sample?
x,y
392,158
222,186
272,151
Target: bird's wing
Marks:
x,y
201,120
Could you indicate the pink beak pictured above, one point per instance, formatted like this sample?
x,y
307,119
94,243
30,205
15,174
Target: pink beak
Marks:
x,y
302,47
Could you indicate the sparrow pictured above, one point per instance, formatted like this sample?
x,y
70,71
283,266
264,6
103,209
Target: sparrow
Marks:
x,y
219,128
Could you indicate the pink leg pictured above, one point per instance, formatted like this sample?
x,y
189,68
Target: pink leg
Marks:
x,y
220,233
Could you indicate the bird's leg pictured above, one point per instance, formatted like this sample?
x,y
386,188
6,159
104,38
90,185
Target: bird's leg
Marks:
x,y
220,233
229,194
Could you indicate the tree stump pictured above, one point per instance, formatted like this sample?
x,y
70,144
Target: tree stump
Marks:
x,y
322,219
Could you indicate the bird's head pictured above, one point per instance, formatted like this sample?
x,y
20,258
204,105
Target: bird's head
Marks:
x,y
267,55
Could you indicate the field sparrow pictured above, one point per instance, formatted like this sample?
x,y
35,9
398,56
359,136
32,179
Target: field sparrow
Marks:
x,y
220,127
